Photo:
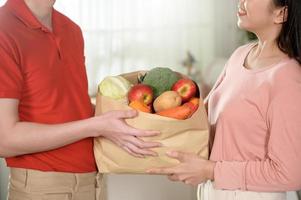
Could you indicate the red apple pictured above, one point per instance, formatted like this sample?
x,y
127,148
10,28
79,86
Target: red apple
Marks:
x,y
186,88
141,92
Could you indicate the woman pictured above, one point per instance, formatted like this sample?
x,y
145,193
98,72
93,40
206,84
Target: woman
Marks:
x,y
254,110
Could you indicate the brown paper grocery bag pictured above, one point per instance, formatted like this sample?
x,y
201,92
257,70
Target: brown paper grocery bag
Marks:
x,y
190,135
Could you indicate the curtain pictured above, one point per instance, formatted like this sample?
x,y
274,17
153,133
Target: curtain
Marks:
x,y
128,35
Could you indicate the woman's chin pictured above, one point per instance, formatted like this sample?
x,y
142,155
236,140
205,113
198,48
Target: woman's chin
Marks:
x,y
242,26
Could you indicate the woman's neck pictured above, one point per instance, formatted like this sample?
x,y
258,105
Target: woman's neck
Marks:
x,y
266,52
266,49
42,11
267,44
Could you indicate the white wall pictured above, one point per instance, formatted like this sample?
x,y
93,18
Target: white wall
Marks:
x,y
144,187
227,35
3,179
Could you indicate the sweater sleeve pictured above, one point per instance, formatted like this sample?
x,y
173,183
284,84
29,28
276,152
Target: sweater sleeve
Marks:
x,y
280,170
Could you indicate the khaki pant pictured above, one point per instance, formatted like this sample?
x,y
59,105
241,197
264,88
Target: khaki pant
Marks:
x,y
206,191
27,184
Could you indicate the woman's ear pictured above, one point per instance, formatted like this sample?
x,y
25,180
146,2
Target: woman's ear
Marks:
x,y
281,15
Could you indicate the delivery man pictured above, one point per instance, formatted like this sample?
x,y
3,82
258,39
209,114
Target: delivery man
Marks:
x,y
46,118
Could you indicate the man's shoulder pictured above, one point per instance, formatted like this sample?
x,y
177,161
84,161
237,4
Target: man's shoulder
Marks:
x,y
7,27
6,18
66,21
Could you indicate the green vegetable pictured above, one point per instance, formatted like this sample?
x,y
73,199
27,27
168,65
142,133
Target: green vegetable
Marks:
x,y
115,87
160,79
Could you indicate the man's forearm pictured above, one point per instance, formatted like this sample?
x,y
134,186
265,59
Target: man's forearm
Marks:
x,y
25,138
19,138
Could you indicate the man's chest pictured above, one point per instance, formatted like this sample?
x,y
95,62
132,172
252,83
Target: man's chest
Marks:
x,y
50,61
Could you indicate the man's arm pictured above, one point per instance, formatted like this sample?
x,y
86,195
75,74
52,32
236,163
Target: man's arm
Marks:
x,y
19,138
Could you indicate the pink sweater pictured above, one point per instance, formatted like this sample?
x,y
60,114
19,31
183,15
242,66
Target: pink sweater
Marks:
x,y
256,117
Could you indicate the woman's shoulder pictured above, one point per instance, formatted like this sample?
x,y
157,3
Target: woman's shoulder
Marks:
x,y
286,77
288,69
240,53
244,49
237,58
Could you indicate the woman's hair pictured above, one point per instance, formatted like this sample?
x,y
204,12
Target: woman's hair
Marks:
x,y
289,40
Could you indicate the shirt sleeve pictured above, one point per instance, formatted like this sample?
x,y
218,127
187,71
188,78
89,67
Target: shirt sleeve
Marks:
x,y
280,170
11,78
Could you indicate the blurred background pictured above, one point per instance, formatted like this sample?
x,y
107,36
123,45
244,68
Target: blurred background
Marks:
x,y
194,37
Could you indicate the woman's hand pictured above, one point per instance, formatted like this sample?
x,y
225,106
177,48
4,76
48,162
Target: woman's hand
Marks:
x,y
192,170
113,127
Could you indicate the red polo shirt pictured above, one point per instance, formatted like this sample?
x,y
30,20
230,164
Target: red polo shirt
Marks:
x,y
46,72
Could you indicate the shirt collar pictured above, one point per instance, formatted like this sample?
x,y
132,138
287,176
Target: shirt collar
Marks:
x,y
22,12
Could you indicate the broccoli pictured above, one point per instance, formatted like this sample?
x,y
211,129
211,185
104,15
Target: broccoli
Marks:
x,y
160,79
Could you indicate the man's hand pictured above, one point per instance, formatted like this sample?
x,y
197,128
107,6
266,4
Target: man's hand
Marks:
x,y
114,128
192,170
21,137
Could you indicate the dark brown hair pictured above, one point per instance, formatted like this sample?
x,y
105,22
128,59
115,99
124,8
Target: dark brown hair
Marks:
x,y
289,40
